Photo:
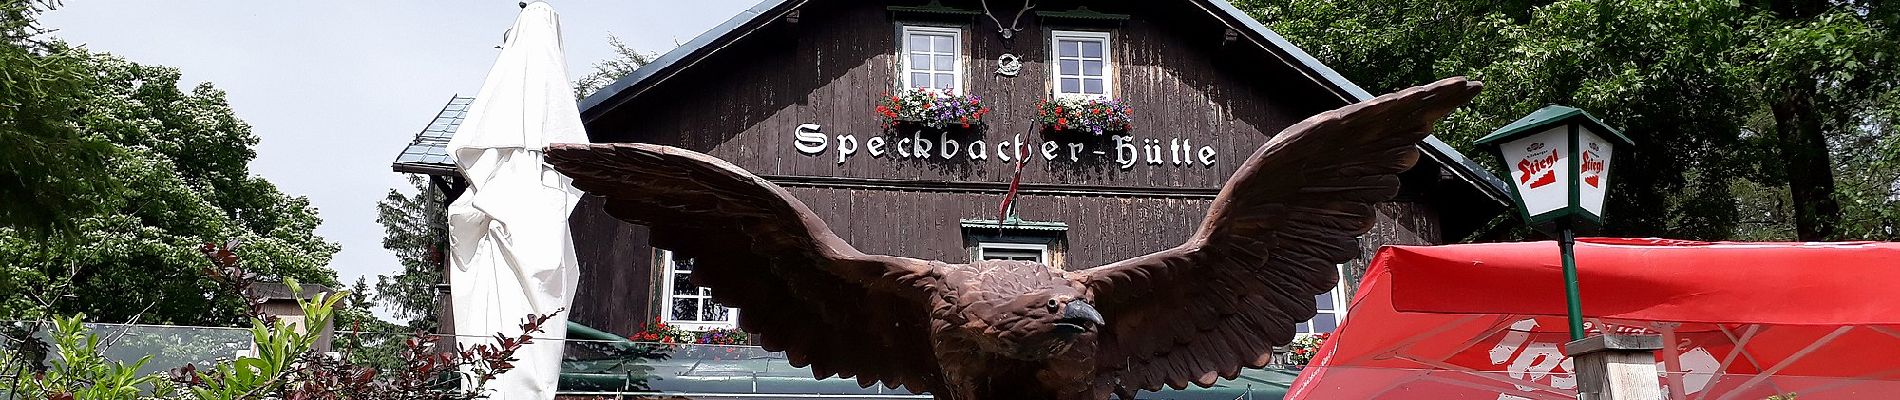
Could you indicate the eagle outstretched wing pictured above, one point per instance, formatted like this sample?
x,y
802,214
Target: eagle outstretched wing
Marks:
x,y
1269,244
800,287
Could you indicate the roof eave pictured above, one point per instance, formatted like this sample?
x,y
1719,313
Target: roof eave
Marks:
x,y
687,54
426,169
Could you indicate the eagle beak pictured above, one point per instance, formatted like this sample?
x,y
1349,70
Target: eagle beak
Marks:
x,y
1079,317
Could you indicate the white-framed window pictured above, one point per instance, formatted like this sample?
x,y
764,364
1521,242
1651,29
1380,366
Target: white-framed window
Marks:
x,y
1083,64
932,58
1013,251
690,307
1332,308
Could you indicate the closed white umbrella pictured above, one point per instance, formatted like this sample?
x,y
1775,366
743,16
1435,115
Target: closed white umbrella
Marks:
x,y
512,253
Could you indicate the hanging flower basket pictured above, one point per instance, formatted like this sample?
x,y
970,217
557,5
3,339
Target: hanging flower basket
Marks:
x,y
1096,116
933,109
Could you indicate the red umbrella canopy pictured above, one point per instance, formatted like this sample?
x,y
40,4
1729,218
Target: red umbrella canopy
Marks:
x,y
1742,320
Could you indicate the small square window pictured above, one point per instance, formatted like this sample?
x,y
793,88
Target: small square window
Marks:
x,y
1084,64
931,58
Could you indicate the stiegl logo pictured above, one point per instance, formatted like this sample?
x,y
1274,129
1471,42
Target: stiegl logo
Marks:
x,y
1538,168
1591,166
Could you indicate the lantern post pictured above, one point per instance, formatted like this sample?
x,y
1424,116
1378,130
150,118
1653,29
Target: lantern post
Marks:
x,y
1559,162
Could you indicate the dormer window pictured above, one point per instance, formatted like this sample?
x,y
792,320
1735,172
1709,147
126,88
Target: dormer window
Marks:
x,y
931,58
1082,64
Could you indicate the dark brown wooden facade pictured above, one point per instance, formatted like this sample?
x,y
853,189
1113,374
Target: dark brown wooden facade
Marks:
x,y
1196,72
1189,70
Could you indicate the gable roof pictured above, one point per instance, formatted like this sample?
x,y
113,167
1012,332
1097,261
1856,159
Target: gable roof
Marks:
x,y
748,21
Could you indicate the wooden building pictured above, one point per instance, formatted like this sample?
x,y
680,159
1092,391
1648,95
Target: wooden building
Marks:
x,y
788,91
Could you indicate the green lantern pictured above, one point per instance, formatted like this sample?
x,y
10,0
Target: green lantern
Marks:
x,y
1559,163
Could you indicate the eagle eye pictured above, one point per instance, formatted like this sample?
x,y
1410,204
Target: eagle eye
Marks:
x,y
1053,304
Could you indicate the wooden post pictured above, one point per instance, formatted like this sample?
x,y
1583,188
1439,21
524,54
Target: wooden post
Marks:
x,y
1616,367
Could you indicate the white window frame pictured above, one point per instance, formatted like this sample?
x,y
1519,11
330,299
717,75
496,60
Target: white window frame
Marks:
x,y
666,301
1339,305
1055,62
956,55
984,247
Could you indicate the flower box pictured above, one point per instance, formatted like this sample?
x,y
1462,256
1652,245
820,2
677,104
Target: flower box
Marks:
x,y
932,109
1303,348
1091,115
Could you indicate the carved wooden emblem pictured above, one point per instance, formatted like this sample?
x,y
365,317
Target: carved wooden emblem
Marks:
x,y
1008,65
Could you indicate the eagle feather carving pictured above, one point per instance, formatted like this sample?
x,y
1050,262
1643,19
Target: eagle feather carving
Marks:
x,y
1191,314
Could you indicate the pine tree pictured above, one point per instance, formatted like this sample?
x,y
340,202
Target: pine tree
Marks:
x,y
415,227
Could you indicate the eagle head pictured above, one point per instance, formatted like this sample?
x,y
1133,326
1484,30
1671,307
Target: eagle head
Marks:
x,y
1029,312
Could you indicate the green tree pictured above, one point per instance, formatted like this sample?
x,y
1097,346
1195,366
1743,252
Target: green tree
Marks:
x,y
1824,66
50,169
416,229
180,161
1725,99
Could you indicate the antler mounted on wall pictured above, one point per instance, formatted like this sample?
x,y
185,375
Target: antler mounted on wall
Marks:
x,y
1015,24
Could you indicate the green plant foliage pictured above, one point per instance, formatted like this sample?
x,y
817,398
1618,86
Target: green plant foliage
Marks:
x,y
277,346
282,363
1740,110
78,371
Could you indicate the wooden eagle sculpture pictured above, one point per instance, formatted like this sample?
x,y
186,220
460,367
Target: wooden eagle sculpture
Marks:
x,y
1191,314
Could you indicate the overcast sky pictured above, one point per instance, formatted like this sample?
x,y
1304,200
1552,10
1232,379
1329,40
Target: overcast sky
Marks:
x,y
335,89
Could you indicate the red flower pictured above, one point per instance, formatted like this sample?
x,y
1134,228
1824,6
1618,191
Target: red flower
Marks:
x,y
1062,121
